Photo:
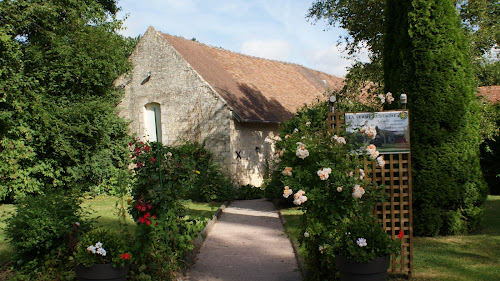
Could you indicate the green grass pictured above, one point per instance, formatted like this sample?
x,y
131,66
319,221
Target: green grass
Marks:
x,y
103,210
474,257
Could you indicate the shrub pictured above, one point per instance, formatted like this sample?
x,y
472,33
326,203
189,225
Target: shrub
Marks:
x,y
324,175
100,246
248,192
426,56
163,175
41,229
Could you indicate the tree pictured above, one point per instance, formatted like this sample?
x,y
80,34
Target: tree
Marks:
x,y
60,128
426,56
364,22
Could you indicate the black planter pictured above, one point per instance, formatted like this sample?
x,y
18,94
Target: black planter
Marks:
x,y
102,272
374,270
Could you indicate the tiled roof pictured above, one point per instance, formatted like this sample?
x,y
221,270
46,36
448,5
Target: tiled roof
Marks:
x,y
491,92
258,90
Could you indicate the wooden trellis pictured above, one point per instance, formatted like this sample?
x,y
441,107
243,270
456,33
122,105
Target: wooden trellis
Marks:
x,y
397,214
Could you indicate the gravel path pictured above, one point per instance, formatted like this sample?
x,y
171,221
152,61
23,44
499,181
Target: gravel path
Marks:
x,y
247,243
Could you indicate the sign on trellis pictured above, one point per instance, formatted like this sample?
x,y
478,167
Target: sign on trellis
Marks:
x,y
393,143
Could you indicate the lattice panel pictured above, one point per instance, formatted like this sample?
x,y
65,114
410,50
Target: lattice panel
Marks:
x,y
397,214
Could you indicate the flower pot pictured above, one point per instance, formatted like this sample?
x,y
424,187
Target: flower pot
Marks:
x,y
373,270
102,272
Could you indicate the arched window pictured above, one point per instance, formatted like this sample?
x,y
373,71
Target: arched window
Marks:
x,y
152,122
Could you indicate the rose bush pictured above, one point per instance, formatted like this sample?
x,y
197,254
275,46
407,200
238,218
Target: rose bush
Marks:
x,y
326,177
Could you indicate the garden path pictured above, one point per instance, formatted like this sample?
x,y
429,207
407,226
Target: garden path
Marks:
x,y
246,244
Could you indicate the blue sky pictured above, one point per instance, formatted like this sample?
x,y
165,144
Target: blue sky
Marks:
x,y
272,29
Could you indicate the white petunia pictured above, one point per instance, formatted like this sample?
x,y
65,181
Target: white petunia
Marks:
x,y
361,242
92,249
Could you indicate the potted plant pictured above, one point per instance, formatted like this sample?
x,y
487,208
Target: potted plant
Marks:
x,y
362,249
102,255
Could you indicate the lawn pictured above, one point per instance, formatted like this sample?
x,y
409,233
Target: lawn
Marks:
x,y
103,209
474,257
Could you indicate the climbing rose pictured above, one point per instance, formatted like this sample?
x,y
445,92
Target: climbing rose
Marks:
x,y
287,171
358,191
287,192
324,173
301,152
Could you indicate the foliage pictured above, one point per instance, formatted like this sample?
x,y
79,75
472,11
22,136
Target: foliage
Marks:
x,y
365,21
58,103
164,234
426,57
101,246
324,175
348,239
249,192
43,231
490,148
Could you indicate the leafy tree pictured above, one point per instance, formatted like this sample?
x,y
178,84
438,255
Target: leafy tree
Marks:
x,y
60,128
426,56
364,22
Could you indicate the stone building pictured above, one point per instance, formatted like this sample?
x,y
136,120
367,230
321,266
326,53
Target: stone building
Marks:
x,y
229,100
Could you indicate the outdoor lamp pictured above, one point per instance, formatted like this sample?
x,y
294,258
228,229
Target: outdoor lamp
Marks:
x,y
403,100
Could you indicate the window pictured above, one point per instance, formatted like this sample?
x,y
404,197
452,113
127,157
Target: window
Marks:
x,y
152,121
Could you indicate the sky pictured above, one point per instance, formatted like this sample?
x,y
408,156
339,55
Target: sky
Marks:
x,y
271,29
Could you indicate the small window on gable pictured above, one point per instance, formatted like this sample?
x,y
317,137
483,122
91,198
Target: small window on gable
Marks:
x,y
152,122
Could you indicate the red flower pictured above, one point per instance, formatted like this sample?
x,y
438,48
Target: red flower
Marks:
x,y
142,220
401,235
149,206
147,215
146,148
130,144
139,164
152,159
125,256
137,149
143,208
178,165
148,222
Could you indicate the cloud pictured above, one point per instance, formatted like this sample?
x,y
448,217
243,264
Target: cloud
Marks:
x,y
333,60
269,49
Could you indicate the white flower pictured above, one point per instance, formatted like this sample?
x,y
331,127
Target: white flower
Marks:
x,y
358,191
268,140
287,192
382,98
369,131
287,171
361,242
92,249
98,245
350,174
306,234
321,248
324,173
77,223
308,123
301,151
361,174
169,154
101,252
380,161
372,151
339,189
295,130
299,197
338,139
389,97
277,138
303,137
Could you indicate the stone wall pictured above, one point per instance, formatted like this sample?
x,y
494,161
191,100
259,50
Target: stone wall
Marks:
x,y
248,139
190,108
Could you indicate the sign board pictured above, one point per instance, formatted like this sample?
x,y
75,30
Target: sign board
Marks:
x,y
392,130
